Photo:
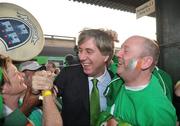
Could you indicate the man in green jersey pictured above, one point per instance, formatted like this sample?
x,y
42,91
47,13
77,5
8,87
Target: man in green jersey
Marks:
x,y
141,100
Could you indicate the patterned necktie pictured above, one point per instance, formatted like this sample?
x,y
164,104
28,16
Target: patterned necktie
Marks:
x,y
94,102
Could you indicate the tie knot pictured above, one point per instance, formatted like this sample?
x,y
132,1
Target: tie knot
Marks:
x,y
94,81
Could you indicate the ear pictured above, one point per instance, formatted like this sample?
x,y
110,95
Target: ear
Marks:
x,y
106,58
146,62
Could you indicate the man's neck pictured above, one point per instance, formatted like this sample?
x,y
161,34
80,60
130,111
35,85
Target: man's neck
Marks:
x,y
103,71
142,79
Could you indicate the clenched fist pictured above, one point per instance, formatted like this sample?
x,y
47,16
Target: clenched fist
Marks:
x,y
43,80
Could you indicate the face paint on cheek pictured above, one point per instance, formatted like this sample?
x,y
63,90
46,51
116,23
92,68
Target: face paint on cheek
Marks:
x,y
138,65
132,64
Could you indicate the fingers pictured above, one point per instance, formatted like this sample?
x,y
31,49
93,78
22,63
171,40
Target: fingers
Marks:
x,y
41,83
42,80
112,122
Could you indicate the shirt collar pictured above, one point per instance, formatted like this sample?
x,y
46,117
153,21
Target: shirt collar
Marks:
x,y
136,88
100,78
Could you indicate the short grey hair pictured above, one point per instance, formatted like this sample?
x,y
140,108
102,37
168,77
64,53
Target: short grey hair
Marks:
x,y
103,41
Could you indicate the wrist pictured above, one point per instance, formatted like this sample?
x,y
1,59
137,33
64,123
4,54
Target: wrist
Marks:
x,y
46,93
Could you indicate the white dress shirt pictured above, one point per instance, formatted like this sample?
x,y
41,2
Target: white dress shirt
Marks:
x,y
103,82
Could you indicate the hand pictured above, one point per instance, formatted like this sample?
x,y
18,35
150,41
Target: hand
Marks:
x,y
112,122
177,89
43,80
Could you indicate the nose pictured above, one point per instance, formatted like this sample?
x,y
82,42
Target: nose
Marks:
x,y
120,53
82,56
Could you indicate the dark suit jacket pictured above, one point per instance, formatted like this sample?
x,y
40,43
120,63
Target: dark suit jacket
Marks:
x,y
73,87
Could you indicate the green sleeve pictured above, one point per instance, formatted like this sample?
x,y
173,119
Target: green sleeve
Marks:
x,y
36,116
16,118
112,90
165,81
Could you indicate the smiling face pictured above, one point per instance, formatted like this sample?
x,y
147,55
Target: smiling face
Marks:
x,y
91,59
129,58
137,58
15,83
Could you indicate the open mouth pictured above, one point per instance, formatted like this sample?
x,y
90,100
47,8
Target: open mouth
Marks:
x,y
85,64
120,62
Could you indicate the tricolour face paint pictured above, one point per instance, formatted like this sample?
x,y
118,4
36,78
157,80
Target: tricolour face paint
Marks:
x,y
132,64
138,65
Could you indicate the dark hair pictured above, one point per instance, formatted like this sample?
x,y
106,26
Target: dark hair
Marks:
x,y
52,63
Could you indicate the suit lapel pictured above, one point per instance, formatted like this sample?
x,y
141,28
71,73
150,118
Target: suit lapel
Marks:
x,y
85,93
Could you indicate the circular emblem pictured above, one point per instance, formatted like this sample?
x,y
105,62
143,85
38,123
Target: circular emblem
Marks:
x,y
21,36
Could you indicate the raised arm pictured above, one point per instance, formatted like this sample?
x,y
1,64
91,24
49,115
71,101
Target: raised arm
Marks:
x,y
43,81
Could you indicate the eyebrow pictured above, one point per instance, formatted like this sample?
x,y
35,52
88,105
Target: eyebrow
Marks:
x,y
87,49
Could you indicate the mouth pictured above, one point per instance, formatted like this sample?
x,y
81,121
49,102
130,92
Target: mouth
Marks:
x,y
121,62
85,64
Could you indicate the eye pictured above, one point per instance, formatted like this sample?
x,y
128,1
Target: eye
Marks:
x,y
90,51
126,50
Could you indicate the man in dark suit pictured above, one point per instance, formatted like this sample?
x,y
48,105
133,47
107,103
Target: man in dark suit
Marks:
x,y
95,51
75,84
